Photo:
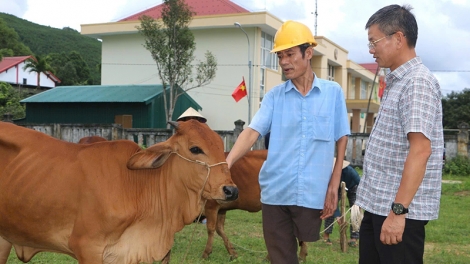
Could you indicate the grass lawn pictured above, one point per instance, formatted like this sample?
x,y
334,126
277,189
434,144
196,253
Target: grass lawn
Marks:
x,y
447,239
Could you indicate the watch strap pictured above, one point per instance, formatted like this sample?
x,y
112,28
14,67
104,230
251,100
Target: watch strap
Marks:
x,y
399,209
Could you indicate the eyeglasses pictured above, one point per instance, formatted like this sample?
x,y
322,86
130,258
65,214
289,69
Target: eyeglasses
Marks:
x,y
371,44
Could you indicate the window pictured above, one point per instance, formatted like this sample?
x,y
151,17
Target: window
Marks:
x,y
261,85
375,92
363,90
352,89
268,60
331,72
25,81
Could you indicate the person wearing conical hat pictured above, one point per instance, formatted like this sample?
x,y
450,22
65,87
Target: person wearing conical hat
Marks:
x,y
191,113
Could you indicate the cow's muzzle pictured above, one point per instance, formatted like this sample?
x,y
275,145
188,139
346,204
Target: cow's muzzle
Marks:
x,y
231,193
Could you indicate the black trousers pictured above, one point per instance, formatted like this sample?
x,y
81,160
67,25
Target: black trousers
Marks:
x,y
372,251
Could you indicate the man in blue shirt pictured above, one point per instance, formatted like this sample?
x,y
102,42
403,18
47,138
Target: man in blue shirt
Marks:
x,y
307,117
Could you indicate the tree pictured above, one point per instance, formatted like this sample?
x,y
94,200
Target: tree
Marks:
x,y
10,101
39,65
172,46
10,44
5,53
81,67
70,68
456,108
68,75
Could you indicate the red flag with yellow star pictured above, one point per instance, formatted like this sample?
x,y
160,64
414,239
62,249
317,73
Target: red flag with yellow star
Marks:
x,y
240,91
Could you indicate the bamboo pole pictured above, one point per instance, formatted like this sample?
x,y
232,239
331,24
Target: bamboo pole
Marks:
x,y
343,224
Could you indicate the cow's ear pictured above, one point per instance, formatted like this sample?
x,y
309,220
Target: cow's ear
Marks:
x,y
150,158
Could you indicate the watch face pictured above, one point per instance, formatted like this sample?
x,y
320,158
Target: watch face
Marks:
x,y
397,208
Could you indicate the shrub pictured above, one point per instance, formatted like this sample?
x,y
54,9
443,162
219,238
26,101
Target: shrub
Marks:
x,y
10,101
459,165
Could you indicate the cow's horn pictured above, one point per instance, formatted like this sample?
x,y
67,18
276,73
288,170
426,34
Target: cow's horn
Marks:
x,y
174,124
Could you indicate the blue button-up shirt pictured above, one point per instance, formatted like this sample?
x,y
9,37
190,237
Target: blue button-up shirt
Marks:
x,y
304,130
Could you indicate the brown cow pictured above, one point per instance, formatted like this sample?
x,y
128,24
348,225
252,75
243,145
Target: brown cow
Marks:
x,y
5,246
110,202
245,174
91,139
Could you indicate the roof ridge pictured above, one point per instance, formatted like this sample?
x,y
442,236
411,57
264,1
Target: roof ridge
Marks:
x,y
141,12
231,4
98,93
200,7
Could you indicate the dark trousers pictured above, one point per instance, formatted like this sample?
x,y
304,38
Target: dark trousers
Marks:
x,y
372,251
283,226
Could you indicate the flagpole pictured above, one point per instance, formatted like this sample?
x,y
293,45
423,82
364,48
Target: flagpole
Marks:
x,y
249,97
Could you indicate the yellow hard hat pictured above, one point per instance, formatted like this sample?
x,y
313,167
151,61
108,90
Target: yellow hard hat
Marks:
x,y
292,34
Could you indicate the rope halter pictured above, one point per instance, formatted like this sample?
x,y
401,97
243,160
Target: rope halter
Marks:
x,y
203,164
202,189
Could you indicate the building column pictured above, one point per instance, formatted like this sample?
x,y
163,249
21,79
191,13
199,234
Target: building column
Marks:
x,y
369,122
358,89
356,121
462,139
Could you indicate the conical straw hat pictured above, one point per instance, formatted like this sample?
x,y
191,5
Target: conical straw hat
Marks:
x,y
190,112
345,163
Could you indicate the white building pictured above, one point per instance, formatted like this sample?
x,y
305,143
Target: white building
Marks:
x,y
126,61
12,72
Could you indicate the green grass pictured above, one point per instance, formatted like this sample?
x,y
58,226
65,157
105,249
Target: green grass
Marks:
x,y
447,239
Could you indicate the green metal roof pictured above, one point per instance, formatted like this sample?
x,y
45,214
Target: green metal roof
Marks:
x,y
99,93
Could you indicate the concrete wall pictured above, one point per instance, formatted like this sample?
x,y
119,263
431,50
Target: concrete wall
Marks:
x,y
74,132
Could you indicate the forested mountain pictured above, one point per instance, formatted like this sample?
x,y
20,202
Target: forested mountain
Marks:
x,y
45,40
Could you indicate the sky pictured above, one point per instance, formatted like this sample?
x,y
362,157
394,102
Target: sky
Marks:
x,y
443,25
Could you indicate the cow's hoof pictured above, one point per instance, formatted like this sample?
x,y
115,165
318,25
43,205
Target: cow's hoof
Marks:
x,y
205,255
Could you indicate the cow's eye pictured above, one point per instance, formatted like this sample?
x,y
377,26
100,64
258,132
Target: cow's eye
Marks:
x,y
196,150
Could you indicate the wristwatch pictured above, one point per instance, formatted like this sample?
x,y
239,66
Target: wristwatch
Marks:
x,y
399,209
